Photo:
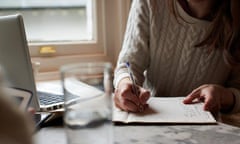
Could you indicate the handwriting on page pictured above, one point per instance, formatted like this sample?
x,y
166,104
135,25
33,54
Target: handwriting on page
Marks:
x,y
194,111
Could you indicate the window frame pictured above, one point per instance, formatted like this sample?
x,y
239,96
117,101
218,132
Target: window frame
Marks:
x,y
77,47
111,18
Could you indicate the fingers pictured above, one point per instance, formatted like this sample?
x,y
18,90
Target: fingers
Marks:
x,y
144,96
209,94
210,104
191,97
127,94
195,94
207,104
31,110
126,105
126,100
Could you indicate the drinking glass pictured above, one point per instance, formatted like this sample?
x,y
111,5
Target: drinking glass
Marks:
x,y
88,104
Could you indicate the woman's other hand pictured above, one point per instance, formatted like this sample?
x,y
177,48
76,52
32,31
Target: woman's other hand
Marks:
x,y
127,100
215,97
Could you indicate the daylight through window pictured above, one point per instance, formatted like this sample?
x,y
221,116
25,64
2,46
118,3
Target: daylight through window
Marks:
x,y
53,20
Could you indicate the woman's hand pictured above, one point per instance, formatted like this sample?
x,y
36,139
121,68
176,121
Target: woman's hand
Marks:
x,y
126,100
215,98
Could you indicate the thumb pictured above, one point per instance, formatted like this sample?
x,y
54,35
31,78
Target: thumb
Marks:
x,y
144,96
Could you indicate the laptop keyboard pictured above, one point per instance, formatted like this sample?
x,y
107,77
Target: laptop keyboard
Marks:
x,y
49,98
46,98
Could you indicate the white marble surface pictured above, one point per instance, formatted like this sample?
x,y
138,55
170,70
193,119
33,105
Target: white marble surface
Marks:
x,y
155,134
183,134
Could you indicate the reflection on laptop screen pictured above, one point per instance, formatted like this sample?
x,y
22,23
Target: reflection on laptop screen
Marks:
x,y
14,55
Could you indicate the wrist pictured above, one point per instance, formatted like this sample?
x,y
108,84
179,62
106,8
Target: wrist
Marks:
x,y
123,81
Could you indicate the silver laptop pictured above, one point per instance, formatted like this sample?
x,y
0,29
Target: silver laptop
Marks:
x,y
15,59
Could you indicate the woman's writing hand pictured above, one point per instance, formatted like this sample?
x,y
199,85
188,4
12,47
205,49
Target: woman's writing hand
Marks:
x,y
127,100
215,98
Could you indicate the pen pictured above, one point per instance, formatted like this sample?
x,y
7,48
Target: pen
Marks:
x,y
134,86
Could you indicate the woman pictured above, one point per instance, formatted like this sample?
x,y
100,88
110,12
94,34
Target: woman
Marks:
x,y
181,48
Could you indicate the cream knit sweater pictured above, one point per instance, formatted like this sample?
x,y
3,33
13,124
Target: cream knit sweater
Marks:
x,y
163,57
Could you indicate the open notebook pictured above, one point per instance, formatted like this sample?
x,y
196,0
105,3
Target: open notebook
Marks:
x,y
166,110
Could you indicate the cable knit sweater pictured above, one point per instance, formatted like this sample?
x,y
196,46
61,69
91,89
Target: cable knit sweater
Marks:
x,y
162,53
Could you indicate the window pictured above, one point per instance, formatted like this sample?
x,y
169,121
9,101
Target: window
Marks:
x,y
53,21
69,31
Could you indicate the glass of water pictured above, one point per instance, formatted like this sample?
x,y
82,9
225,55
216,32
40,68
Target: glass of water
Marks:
x,y
88,103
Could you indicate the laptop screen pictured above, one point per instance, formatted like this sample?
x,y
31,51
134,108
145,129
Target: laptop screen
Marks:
x,y
14,55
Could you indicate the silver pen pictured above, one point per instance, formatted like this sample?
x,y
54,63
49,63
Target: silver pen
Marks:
x,y
134,85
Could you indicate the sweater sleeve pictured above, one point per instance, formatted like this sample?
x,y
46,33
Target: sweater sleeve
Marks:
x,y
136,43
233,85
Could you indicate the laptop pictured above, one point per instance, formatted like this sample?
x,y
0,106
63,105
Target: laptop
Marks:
x,y
22,99
16,62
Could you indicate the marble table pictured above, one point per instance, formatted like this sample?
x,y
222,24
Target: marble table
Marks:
x,y
155,134
183,134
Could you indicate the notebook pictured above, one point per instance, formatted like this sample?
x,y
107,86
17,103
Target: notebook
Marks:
x,y
16,62
166,110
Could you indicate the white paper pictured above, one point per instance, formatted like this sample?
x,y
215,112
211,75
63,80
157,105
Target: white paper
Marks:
x,y
166,110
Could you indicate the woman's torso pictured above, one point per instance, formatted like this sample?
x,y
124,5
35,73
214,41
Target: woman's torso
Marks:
x,y
176,65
